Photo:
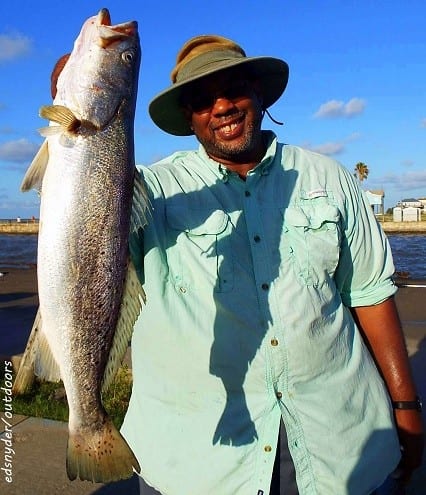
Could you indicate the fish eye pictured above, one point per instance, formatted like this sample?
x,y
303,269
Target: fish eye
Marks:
x,y
127,56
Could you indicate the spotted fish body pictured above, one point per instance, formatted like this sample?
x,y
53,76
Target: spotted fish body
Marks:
x,y
86,169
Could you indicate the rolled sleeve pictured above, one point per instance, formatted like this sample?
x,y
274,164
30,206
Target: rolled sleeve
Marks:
x,y
364,274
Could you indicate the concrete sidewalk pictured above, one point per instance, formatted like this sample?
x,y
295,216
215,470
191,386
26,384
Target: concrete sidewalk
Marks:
x,y
38,462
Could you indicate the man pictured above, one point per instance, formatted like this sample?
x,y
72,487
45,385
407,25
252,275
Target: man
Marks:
x,y
267,281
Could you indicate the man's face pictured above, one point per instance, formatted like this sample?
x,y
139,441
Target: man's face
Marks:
x,y
225,112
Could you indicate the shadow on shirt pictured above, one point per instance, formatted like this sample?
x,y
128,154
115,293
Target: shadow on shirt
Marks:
x,y
236,340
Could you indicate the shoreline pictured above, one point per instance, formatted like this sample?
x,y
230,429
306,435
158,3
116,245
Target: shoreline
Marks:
x,y
30,227
23,227
403,227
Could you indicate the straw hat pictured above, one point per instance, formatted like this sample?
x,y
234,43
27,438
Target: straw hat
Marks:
x,y
202,56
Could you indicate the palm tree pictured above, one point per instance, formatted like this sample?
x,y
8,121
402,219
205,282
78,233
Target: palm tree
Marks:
x,y
361,171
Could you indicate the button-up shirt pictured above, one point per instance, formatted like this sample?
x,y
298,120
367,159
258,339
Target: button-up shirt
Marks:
x,y
248,285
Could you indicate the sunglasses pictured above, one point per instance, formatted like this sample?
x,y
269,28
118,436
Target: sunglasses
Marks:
x,y
200,100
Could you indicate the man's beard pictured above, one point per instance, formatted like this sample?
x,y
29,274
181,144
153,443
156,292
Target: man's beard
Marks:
x,y
239,152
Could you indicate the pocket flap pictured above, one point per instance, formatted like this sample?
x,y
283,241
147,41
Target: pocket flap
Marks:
x,y
297,217
197,222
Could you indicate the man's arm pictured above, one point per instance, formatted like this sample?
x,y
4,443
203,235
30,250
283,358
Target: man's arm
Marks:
x,y
381,329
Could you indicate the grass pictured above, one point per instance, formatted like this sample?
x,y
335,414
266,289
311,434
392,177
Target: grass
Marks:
x,y
385,218
47,400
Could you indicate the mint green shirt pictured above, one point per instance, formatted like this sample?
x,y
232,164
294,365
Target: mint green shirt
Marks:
x,y
248,285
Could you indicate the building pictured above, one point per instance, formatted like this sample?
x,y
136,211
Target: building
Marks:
x,y
423,202
377,200
411,202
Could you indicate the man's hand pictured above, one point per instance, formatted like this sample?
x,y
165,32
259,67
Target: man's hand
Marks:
x,y
411,437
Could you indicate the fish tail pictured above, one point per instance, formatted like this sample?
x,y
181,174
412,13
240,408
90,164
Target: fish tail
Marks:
x,y
100,456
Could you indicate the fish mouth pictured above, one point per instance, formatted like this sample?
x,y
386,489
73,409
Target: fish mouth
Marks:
x,y
108,33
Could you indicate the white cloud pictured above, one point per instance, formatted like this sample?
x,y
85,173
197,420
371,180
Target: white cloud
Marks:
x,y
335,108
18,151
415,180
332,147
327,148
13,46
423,123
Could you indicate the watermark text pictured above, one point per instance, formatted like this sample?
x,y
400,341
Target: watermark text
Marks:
x,y
6,438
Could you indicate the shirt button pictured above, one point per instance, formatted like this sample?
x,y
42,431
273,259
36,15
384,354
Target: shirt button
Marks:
x,y
256,238
279,395
247,193
267,448
274,342
265,286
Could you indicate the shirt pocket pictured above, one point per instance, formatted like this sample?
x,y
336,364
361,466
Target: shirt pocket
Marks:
x,y
312,236
201,256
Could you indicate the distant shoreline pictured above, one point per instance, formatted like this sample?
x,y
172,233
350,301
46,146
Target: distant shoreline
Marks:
x,y
404,227
31,227
21,227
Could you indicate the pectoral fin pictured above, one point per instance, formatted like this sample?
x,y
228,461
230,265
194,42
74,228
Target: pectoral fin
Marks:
x,y
61,115
35,173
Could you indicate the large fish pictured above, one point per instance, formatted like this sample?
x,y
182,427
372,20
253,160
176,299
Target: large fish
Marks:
x,y
86,171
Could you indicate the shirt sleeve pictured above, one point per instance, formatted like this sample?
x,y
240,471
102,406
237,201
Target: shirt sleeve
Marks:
x,y
364,273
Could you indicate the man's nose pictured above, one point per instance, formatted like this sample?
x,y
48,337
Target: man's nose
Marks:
x,y
222,105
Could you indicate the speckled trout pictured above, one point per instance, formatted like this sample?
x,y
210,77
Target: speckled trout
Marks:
x,y
86,171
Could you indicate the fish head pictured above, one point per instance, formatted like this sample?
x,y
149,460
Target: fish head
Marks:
x,y
100,77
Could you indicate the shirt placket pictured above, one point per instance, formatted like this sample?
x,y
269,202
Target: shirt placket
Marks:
x,y
276,358
264,286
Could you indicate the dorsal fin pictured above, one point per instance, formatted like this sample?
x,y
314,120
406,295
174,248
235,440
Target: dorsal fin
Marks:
x,y
131,305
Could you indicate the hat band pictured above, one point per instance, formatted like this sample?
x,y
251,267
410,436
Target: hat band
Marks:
x,y
206,63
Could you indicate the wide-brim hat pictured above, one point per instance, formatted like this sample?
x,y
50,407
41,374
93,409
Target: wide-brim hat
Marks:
x,y
202,56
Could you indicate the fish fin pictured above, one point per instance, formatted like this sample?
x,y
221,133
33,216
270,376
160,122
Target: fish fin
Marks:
x,y
37,360
35,173
131,305
140,204
50,130
25,375
100,455
45,366
61,115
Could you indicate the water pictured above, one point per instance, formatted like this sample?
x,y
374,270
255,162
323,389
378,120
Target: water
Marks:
x,y
18,251
409,252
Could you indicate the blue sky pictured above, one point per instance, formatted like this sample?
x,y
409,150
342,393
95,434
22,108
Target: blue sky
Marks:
x,y
357,87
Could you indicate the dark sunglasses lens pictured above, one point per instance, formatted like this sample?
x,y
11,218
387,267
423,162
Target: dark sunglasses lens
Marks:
x,y
237,90
200,102
204,101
